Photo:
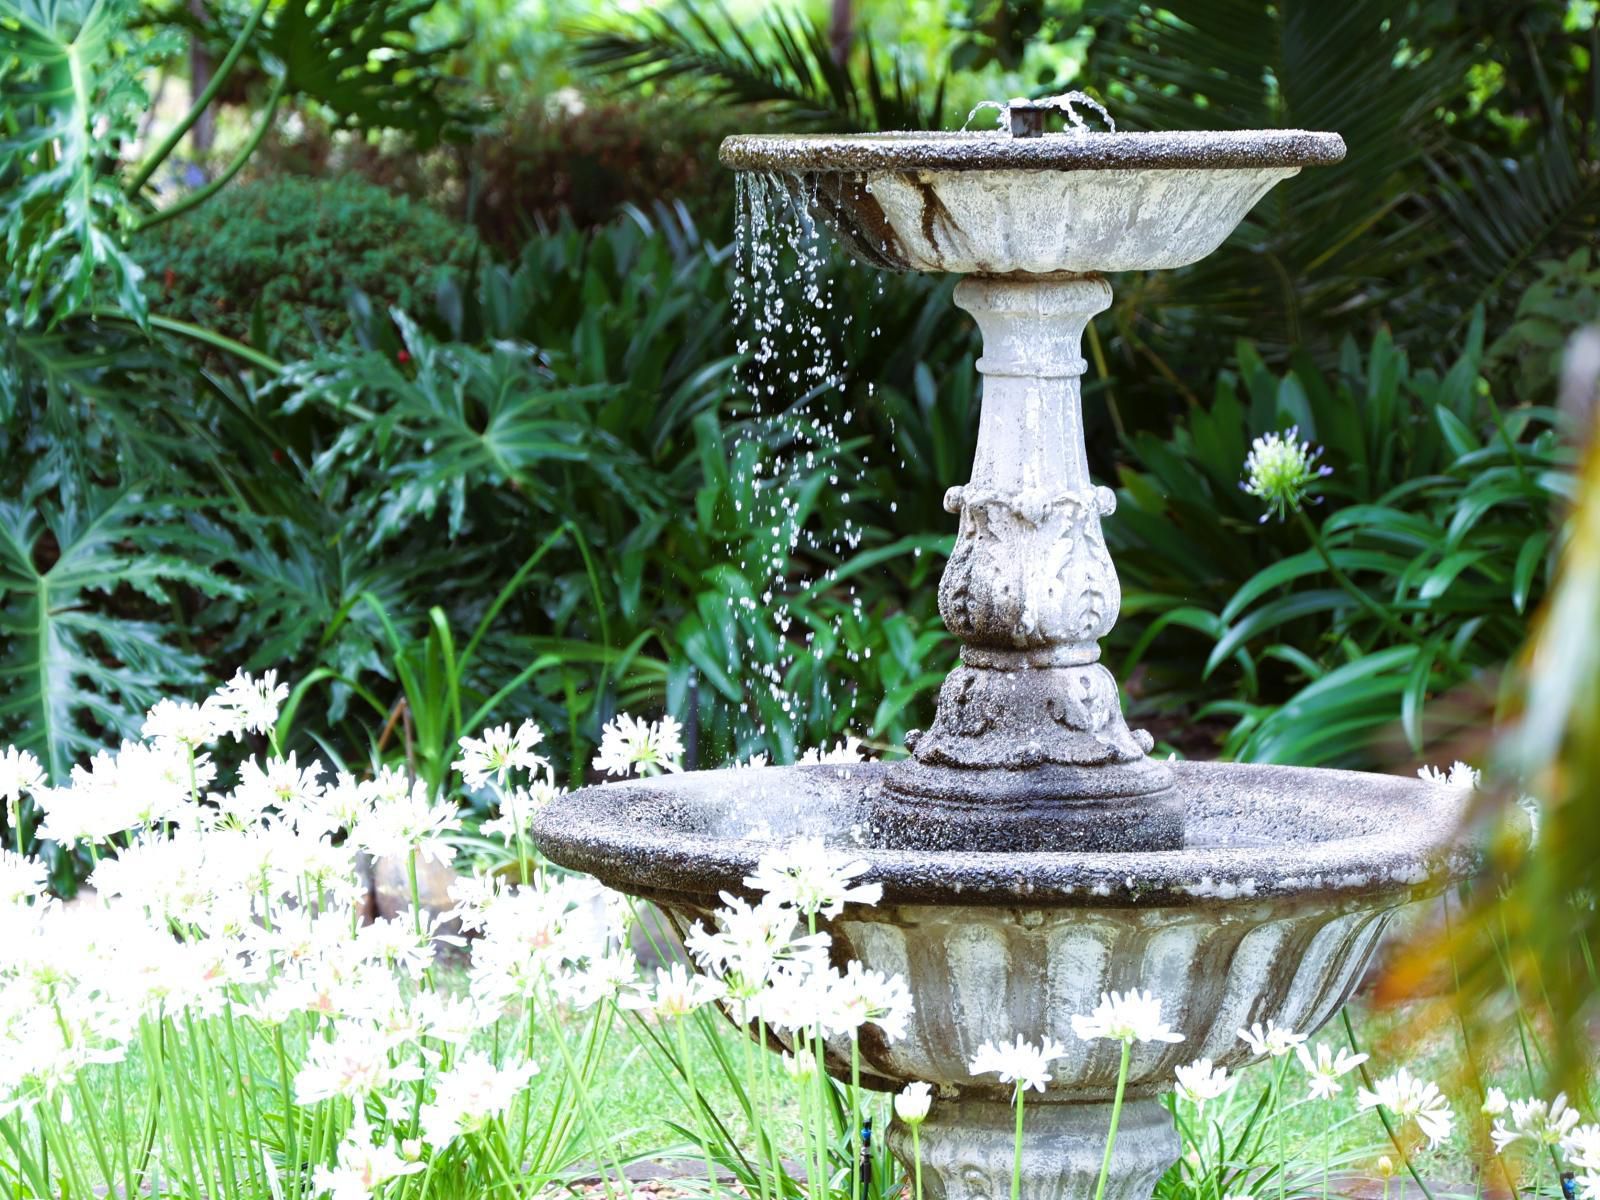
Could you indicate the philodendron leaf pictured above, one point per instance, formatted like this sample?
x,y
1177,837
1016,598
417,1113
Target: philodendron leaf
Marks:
x,y
75,673
361,61
71,90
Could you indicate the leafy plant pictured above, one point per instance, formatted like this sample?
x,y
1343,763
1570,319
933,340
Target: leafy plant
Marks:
x,y
76,675
272,262
788,69
1564,296
1413,577
71,90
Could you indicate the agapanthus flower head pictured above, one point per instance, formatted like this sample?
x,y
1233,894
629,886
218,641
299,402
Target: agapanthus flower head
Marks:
x,y
182,724
1582,1148
1132,1016
471,1093
1275,1040
631,746
361,1167
808,877
246,704
21,879
500,753
519,804
1412,1099
1022,1063
860,996
1200,1081
1495,1102
1460,776
1281,470
20,774
675,992
1534,1120
911,1103
1325,1070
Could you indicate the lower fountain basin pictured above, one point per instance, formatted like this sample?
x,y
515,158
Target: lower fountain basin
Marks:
x,y
1270,910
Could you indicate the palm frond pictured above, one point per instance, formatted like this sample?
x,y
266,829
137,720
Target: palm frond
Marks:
x,y
1505,215
787,68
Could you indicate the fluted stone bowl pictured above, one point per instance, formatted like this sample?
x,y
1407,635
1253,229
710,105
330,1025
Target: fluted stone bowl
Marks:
x,y
1270,910
988,204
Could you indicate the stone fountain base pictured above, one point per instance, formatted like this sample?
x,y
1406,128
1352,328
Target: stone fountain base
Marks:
x,y
968,1148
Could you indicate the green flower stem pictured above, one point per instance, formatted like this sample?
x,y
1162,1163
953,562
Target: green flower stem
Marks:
x,y
1388,1126
1348,585
1016,1146
591,1117
200,195
855,1116
201,102
916,1160
697,1102
1116,1116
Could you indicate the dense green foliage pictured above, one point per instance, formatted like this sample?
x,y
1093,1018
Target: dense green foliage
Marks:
x,y
274,262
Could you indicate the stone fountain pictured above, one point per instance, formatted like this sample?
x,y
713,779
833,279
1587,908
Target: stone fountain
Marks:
x,y
1031,854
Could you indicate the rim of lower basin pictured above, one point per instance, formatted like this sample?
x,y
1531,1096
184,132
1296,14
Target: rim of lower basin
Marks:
x,y
641,836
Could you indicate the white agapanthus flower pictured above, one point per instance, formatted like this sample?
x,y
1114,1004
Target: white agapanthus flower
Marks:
x,y
246,704
1021,1063
183,725
361,1167
860,996
1281,470
518,805
500,753
1134,1016
675,992
282,784
20,775
808,877
1534,1120
410,823
1412,1099
356,1064
840,753
471,1093
1460,775
630,746
911,1103
1201,1081
21,879
1494,1102
1325,1070
1275,1040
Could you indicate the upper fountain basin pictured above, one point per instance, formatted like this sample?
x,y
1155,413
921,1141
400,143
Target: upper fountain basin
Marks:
x,y
990,204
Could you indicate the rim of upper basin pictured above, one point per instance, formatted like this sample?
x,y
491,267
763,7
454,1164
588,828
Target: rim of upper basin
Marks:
x,y
1196,150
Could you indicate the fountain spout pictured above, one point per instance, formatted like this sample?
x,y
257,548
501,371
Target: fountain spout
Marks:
x,y
1031,722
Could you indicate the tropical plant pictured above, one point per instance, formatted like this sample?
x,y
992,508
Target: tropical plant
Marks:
x,y
272,262
1410,575
788,69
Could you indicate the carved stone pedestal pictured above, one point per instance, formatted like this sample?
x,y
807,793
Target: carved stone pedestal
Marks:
x,y
1031,723
968,1148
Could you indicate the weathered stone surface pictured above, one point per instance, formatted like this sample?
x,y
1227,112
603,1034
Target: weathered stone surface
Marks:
x,y
968,1148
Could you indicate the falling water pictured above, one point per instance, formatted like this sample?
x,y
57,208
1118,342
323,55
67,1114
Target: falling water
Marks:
x,y
793,430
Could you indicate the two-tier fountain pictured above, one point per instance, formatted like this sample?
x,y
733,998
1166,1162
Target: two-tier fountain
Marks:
x,y
1031,854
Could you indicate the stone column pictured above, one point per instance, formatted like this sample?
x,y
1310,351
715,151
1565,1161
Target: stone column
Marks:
x,y
1031,722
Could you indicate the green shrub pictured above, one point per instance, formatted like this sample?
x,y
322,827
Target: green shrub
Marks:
x,y
273,262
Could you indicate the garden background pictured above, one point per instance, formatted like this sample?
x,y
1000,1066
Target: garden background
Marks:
x,y
399,347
